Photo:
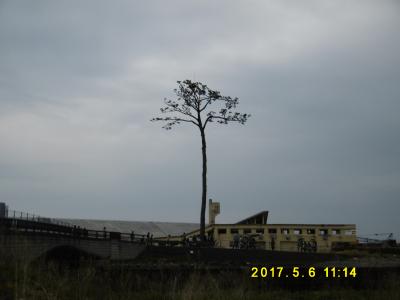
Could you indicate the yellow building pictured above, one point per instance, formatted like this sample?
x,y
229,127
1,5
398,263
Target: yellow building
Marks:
x,y
254,232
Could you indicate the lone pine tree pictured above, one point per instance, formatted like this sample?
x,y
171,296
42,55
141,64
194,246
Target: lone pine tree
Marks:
x,y
197,104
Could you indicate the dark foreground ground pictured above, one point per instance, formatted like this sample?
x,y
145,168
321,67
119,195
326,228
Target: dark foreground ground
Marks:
x,y
176,274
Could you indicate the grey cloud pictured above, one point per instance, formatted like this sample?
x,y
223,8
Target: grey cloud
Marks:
x,y
79,82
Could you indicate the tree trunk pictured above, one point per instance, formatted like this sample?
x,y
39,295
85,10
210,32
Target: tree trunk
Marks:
x,y
204,187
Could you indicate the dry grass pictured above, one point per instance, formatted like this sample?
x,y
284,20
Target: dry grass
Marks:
x,y
54,282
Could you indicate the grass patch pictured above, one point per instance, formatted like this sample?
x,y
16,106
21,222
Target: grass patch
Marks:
x,y
92,281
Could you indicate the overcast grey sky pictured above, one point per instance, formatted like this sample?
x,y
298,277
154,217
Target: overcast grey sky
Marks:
x,y
80,80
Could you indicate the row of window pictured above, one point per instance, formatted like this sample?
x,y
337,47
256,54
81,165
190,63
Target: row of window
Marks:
x,y
286,231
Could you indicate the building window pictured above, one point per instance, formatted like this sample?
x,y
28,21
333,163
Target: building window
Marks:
x,y
272,230
260,230
350,232
234,230
335,231
285,231
222,231
310,231
297,231
323,232
246,231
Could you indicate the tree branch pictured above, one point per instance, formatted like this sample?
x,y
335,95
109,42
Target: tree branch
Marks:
x,y
171,121
205,105
236,117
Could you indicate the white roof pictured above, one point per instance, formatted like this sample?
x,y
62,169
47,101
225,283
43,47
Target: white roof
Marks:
x,y
158,229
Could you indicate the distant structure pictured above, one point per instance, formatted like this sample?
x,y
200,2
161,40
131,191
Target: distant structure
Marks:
x,y
255,232
3,210
213,211
251,232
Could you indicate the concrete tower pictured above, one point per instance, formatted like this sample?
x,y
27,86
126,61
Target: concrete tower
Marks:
x,y
213,211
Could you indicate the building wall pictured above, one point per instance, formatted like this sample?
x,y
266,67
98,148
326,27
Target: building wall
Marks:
x,y
28,246
285,236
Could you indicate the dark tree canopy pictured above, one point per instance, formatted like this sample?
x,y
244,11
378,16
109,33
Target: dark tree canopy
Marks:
x,y
195,103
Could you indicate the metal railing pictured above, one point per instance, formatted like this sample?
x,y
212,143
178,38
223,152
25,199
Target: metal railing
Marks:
x,y
27,223
14,214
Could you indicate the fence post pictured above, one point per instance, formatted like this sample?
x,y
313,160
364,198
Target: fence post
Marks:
x,y
3,210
